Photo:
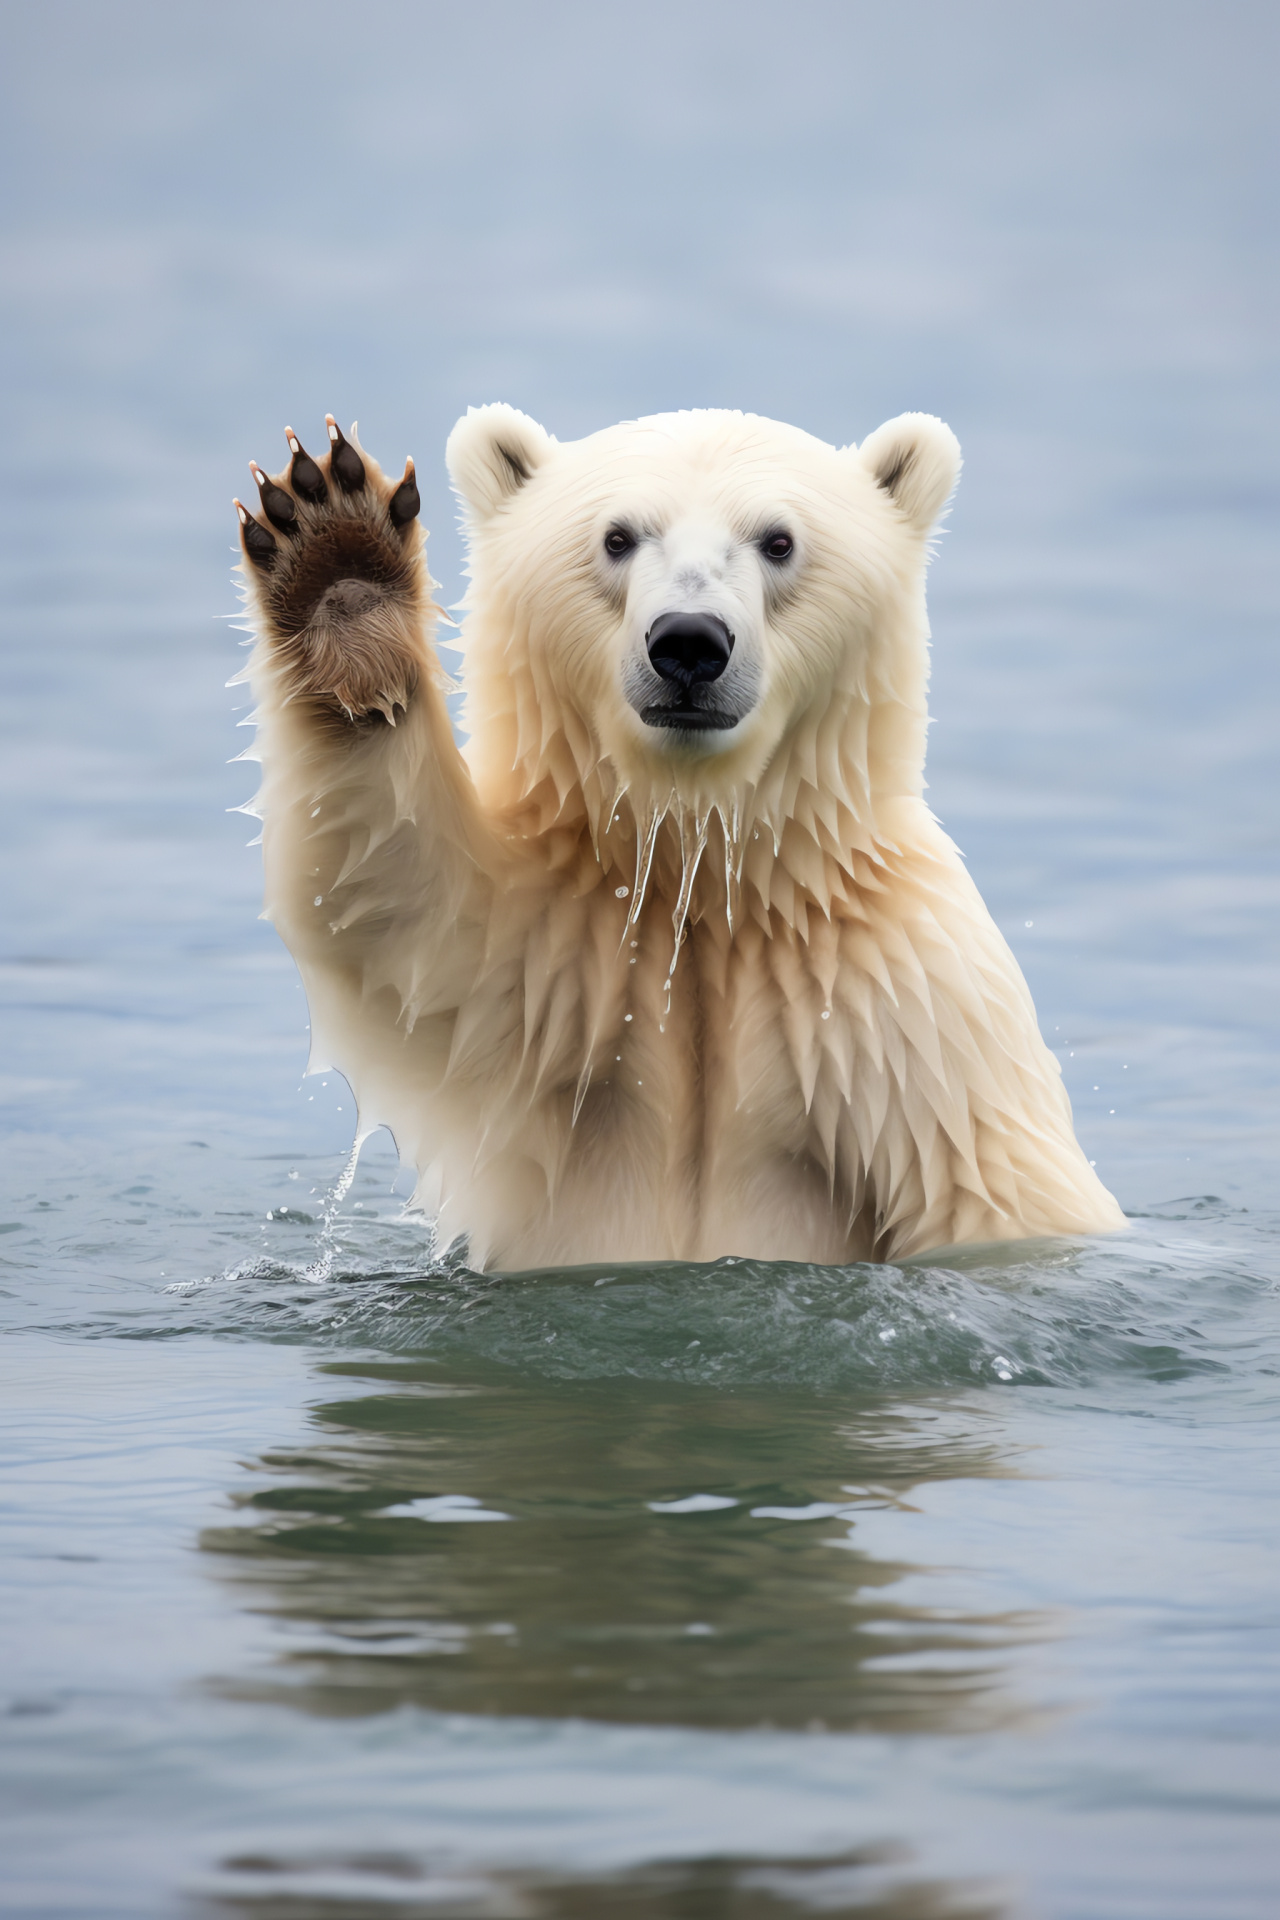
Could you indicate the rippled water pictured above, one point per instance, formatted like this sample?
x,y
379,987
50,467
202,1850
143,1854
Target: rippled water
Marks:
x,y
348,1581
341,1581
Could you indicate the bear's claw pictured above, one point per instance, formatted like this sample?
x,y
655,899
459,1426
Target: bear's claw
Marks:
x,y
305,476
405,503
258,543
344,462
276,504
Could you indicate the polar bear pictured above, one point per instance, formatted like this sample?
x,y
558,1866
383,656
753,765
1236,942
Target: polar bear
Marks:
x,y
671,961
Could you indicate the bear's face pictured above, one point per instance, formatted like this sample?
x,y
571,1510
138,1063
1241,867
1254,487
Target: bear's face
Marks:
x,y
684,593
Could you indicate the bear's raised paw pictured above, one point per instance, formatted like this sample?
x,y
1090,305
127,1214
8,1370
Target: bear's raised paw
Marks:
x,y
336,566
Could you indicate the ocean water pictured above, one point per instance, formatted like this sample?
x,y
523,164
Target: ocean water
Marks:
x,y
341,1581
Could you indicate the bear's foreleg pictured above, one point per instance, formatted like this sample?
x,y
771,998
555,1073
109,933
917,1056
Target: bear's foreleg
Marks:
x,y
379,864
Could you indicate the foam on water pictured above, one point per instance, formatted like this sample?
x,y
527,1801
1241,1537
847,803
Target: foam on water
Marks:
x,y
1179,1297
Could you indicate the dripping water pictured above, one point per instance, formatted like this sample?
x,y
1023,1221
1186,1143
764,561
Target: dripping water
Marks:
x,y
690,859
644,866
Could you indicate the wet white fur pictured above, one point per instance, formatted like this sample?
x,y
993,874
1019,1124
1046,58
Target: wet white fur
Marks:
x,y
623,995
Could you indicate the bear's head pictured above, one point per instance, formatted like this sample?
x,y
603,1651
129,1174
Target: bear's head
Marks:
x,y
696,613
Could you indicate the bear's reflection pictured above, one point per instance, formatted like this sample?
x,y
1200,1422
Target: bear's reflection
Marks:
x,y
369,1552
858,1886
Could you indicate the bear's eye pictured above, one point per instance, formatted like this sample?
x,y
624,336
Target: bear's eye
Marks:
x,y
618,541
777,545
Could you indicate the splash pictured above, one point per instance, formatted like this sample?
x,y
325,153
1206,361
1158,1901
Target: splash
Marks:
x,y
321,1268
1175,1307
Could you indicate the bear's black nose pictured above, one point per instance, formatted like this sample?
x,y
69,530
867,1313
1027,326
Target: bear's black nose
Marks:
x,y
686,647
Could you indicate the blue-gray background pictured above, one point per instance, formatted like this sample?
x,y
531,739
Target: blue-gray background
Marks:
x,y
1055,228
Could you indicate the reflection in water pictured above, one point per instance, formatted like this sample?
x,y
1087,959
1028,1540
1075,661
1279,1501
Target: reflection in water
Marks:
x,y
381,1556
856,1885
610,1547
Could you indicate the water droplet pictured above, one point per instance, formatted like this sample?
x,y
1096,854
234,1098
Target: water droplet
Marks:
x,y
621,893
826,1013
628,1016
318,901
1028,923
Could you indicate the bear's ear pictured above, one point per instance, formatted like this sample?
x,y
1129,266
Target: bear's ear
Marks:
x,y
491,453
916,459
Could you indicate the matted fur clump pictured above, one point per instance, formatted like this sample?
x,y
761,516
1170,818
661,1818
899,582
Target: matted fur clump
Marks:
x,y
672,960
